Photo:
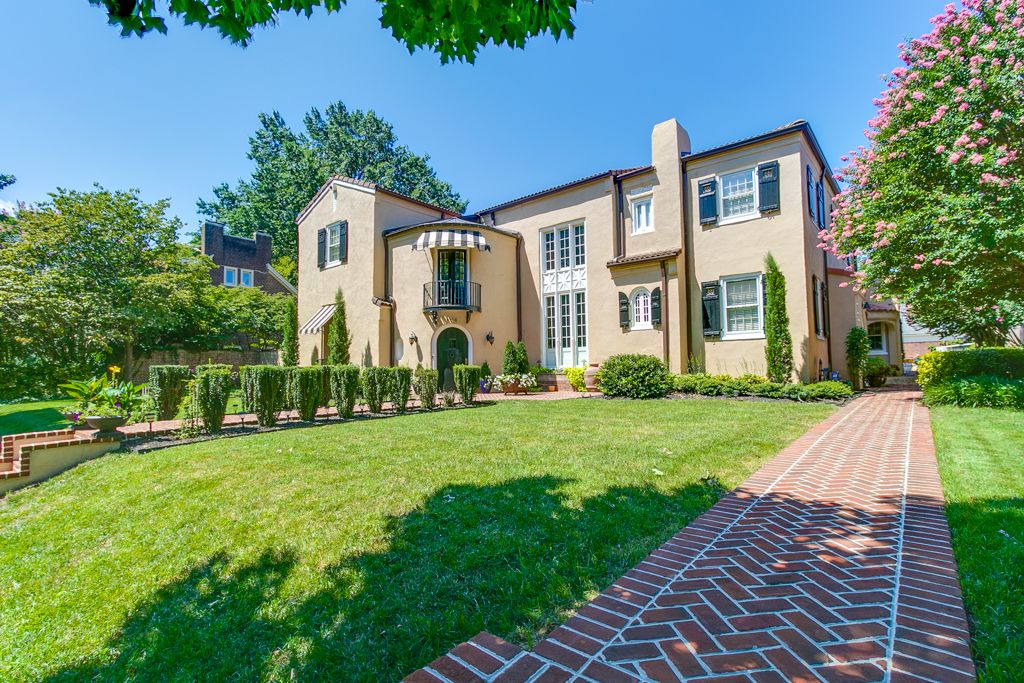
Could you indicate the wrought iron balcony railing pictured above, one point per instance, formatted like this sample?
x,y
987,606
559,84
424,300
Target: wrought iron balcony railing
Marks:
x,y
459,295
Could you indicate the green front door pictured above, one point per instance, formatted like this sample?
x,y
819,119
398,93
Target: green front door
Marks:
x,y
452,350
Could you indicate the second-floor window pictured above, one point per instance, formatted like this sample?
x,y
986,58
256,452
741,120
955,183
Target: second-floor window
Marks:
x,y
334,244
238,277
739,194
564,247
643,216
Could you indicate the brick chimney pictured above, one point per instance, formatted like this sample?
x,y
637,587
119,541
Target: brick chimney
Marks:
x,y
264,249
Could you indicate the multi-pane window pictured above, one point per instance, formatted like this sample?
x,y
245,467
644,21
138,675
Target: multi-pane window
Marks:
x,y
565,315
581,319
876,336
564,252
334,244
549,316
579,246
643,218
743,303
739,194
641,310
549,251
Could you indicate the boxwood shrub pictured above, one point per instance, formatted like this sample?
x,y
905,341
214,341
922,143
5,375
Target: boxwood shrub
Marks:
x,y
634,375
940,366
344,387
756,385
426,387
467,381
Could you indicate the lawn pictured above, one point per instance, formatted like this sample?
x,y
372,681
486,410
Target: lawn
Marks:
x,y
37,416
981,460
359,551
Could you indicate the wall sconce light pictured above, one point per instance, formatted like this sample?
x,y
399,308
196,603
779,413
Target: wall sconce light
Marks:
x,y
413,338
490,338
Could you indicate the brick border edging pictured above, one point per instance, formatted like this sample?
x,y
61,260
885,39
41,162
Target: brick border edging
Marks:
x,y
929,638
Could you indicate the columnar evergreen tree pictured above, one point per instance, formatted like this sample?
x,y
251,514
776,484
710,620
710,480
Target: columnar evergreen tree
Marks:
x,y
778,348
934,205
339,339
290,335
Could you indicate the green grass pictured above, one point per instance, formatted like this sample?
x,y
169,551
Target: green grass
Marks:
x,y
981,460
37,416
359,551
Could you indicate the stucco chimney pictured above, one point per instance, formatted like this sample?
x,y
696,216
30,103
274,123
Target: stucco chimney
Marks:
x,y
668,141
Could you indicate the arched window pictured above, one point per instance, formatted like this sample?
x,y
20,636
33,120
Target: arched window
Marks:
x,y
640,306
876,335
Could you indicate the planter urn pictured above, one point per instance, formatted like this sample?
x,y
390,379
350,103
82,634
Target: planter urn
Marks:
x,y
590,377
105,425
514,388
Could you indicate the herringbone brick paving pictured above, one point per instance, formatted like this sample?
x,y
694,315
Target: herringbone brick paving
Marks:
x,y
831,563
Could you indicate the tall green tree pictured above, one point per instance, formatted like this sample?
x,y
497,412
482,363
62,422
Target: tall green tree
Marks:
x,y
6,179
453,30
339,339
291,166
290,335
778,347
934,203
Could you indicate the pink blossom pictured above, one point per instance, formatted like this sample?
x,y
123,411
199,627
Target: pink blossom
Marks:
x,y
844,284
916,266
939,149
976,125
976,159
996,114
955,157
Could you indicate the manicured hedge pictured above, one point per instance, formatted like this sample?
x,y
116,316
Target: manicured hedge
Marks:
x,y
975,392
167,386
376,386
344,387
755,385
426,387
211,389
401,387
940,366
307,389
634,375
467,381
263,389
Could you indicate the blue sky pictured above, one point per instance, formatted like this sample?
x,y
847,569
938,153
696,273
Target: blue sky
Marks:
x,y
171,114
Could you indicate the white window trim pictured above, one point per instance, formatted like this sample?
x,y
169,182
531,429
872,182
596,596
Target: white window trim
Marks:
x,y
633,324
720,197
884,351
724,285
633,201
252,277
233,270
333,229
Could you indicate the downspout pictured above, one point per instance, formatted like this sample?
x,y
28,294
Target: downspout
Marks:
x,y
387,300
664,313
685,274
620,220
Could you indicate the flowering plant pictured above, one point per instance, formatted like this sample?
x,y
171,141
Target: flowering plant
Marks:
x,y
525,380
933,211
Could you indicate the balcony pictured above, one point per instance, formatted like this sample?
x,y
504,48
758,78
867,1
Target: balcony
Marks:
x,y
451,295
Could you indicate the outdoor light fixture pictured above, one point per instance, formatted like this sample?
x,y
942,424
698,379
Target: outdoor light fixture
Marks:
x,y
413,338
490,337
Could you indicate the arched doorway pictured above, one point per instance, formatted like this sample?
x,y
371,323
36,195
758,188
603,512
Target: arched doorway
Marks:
x,y
451,349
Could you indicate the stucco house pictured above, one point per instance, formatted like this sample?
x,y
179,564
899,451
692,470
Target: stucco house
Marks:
x,y
240,261
664,259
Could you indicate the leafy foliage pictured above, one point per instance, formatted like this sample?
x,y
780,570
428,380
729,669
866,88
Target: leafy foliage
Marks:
x,y
514,360
290,334
634,375
778,348
877,369
454,31
263,390
344,387
210,392
940,366
977,392
291,166
339,339
934,208
167,385
307,387
858,346
575,378
426,388
485,370
376,387
401,387
467,381
754,385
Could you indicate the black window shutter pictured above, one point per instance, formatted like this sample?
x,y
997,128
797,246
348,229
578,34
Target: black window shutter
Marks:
x,y
706,193
656,306
321,247
827,323
768,180
810,191
623,310
821,205
709,294
817,303
343,236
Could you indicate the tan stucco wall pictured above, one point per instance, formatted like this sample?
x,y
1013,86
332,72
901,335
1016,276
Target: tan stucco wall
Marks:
x,y
891,327
493,270
846,308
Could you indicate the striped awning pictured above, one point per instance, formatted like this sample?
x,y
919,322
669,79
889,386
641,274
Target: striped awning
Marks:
x,y
471,239
319,319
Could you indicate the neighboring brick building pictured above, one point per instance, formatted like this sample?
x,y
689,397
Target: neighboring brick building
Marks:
x,y
242,262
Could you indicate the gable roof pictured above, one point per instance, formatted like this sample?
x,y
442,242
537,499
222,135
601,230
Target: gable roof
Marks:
x,y
800,125
563,186
370,187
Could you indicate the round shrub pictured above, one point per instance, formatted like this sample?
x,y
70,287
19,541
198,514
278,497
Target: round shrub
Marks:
x,y
575,378
634,375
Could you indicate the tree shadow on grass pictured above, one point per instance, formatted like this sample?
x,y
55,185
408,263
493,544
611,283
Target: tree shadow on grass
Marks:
x,y
513,559
35,420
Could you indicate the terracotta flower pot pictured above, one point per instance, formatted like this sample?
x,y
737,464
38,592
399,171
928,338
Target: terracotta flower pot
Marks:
x,y
513,387
590,377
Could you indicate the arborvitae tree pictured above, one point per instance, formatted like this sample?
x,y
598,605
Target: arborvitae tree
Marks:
x,y
339,339
290,335
778,347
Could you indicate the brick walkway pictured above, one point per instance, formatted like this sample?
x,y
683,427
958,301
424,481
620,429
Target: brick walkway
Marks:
x,y
831,563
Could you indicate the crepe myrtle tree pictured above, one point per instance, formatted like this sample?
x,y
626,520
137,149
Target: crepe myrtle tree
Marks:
x,y
455,30
933,209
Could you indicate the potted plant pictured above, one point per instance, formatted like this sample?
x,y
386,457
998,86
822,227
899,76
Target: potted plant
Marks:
x,y
876,371
485,378
105,419
73,414
515,384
